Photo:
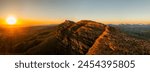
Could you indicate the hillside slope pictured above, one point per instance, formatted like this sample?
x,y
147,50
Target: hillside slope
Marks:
x,y
84,37
112,41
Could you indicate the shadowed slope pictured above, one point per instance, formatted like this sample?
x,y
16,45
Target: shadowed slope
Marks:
x,y
83,37
112,41
70,38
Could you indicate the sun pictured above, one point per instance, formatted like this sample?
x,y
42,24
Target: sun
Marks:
x,y
11,20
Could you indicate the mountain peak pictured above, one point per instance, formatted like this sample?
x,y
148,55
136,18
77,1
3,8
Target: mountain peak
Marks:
x,y
87,21
68,22
86,37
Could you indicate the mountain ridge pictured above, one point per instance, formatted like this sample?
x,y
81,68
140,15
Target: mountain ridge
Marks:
x,y
86,37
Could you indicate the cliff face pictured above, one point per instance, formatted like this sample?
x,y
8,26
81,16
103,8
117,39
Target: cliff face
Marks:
x,y
112,41
80,36
87,37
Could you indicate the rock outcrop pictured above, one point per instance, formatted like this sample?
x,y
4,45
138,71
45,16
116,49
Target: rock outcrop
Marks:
x,y
88,37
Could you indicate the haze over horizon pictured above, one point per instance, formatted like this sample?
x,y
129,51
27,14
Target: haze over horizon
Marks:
x,y
56,11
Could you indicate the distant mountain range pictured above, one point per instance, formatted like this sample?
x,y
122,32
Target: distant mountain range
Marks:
x,y
80,38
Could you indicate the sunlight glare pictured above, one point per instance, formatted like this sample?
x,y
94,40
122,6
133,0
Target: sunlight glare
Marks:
x,y
11,20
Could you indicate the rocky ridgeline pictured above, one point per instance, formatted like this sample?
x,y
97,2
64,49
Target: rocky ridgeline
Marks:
x,y
80,36
86,37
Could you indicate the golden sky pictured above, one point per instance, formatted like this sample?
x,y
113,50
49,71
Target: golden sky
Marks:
x,y
35,12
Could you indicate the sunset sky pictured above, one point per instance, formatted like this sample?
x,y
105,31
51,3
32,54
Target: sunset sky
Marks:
x,y
56,11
